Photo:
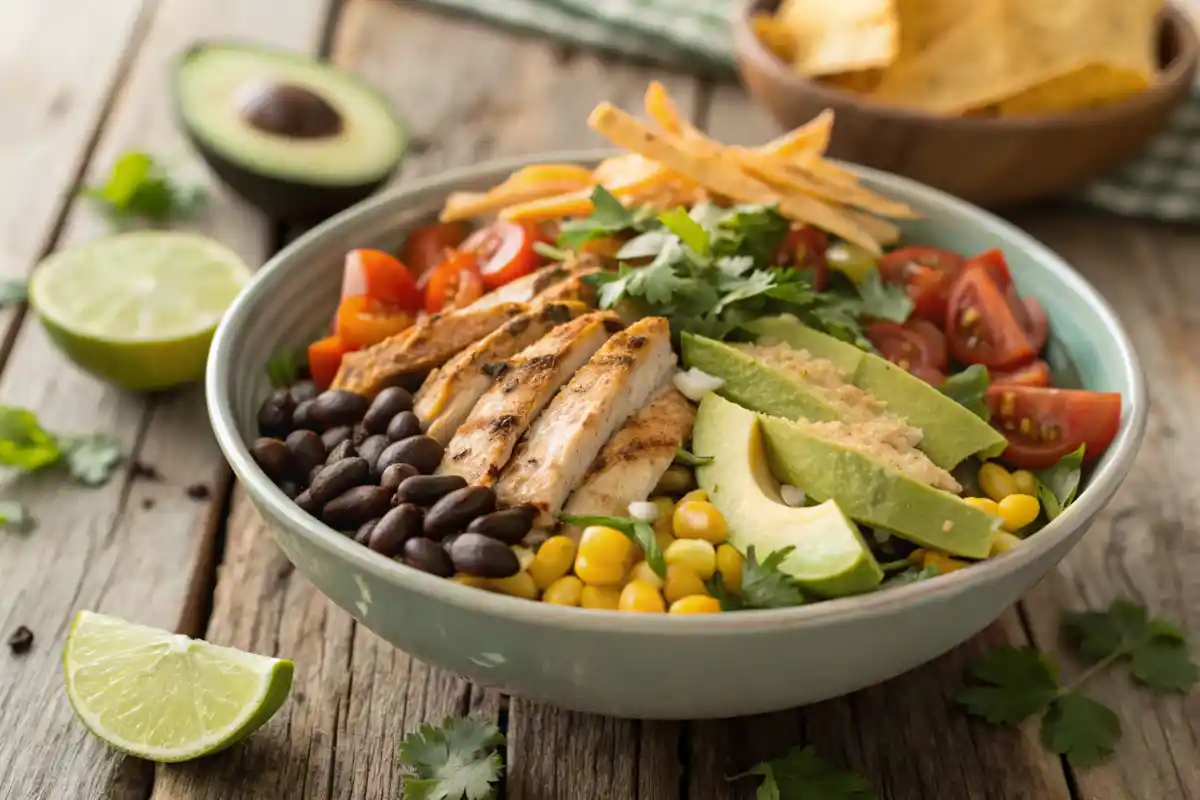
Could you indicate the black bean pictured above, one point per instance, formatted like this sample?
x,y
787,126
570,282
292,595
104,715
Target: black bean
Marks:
x,y
355,506
363,534
403,425
397,526
386,405
307,451
302,390
483,556
422,452
338,477
303,416
290,489
395,475
358,435
334,407
273,457
370,449
335,436
508,525
428,556
307,503
275,414
312,474
341,451
448,542
425,490
452,513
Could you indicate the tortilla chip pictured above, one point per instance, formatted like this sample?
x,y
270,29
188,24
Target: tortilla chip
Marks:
x,y
834,36
775,36
1086,87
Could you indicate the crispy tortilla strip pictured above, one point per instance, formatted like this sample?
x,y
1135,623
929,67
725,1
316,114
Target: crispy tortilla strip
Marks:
x,y
571,204
661,108
793,178
723,177
528,183
433,341
811,137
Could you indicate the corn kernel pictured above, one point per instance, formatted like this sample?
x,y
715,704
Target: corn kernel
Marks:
x,y
472,580
666,511
603,557
996,481
524,555
566,591
942,562
519,585
984,504
1026,482
682,581
642,572
1003,542
698,554
603,598
696,604
552,560
699,520
641,598
1018,510
729,564
696,495
664,539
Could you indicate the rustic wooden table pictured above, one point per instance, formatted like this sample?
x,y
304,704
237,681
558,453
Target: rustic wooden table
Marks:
x,y
80,89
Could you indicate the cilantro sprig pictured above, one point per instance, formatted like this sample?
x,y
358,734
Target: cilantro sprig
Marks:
x,y
801,774
637,531
1058,485
1013,683
138,186
690,459
457,760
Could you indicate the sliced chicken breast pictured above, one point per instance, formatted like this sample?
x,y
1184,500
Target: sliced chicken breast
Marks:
x,y
565,439
526,288
485,441
630,464
451,390
573,288
433,341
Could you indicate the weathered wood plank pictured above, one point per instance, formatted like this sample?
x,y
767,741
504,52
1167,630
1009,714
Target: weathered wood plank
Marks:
x,y
1145,546
131,548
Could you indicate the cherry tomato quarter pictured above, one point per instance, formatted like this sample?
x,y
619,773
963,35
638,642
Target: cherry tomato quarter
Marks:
x,y
916,343
980,325
1042,425
504,251
427,247
453,283
927,273
380,276
804,248
1035,373
324,359
363,321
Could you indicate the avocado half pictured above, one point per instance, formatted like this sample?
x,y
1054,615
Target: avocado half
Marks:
x,y
299,139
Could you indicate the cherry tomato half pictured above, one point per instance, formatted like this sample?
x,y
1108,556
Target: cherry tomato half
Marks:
x,y
504,251
426,247
927,273
804,248
915,343
380,276
362,321
996,264
1026,310
980,325
1043,425
1035,373
453,283
324,359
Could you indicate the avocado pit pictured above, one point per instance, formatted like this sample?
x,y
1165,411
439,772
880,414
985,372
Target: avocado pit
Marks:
x,y
288,110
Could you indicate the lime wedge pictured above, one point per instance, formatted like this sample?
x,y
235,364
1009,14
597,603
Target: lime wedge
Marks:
x,y
163,696
138,309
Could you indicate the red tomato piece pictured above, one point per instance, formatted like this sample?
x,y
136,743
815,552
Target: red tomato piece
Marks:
x,y
996,264
1035,373
1043,425
453,283
380,276
980,325
324,359
1035,322
1028,312
804,247
504,251
927,273
915,344
362,321
426,247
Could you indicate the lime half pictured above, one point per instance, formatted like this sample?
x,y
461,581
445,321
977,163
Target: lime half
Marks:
x,y
164,696
138,309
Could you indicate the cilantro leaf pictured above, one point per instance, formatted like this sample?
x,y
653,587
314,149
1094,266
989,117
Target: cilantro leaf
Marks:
x,y
1100,634
639,532
1158,653
92,459
1058,485
14,517
1015,683
645,245
24,443
13,292
802,774
690,232
968,388
138,186
1165,667
608,217
764,585
728,600
911,574
883,300
691,459
657,281
456,761
284,367
1081,729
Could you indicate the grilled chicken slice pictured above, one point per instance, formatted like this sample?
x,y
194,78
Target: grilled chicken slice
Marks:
x,y
433,341
630,464
483,444
562,442
450,391
573,288
526,288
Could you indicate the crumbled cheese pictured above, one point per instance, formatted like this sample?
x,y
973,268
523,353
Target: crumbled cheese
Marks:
x,y
694,383
643,510
792,495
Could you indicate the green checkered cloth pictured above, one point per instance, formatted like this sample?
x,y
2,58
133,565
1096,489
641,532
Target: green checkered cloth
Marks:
x,y
1162,183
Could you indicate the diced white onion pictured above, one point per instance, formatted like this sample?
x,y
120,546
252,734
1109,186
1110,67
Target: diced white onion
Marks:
x,y
643,510
792,495
837,254
694,383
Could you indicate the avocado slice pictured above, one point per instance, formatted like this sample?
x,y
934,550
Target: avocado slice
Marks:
x,y
296,137
831,559
872,491
950,432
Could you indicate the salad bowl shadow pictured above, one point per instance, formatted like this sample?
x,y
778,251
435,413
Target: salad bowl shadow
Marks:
x,y
627,665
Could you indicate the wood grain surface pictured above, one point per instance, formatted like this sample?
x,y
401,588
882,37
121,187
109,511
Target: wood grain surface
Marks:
x,y
143,549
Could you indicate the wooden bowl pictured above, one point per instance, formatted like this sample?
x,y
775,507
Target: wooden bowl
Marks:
x,y
990,161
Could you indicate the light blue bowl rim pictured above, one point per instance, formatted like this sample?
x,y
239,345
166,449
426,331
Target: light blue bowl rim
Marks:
x,y
1106,478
